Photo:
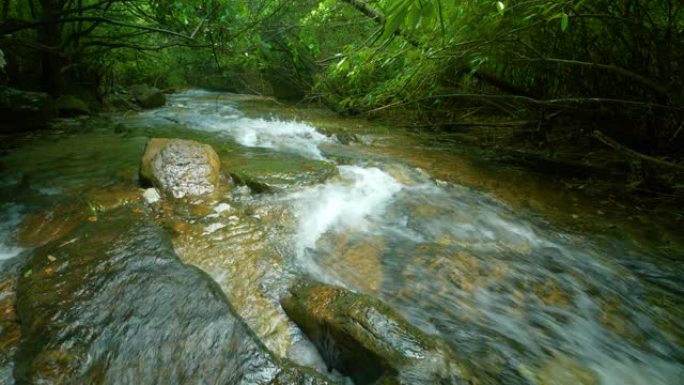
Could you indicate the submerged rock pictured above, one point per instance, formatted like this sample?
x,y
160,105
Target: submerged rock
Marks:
x,y
356,261
116,306
363,338
40,228
180,168
563,370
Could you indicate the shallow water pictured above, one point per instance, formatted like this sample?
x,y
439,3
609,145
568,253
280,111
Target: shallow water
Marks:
x,y
523,299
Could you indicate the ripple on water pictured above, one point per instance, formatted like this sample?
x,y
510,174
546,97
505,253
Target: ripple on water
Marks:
x,y
10,217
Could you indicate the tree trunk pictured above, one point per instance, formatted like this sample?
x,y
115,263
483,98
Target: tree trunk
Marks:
x,y
50,36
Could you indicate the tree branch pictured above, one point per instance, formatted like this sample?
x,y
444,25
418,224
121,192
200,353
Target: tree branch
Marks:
x,y
610,142
490,79
619,70
12,26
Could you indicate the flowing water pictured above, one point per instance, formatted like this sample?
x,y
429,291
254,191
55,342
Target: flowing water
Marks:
x,y
526,301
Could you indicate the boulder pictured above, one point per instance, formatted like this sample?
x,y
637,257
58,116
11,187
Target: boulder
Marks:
x,y
363,338
69,106
180,168
119,102
116,307
147,97
21,110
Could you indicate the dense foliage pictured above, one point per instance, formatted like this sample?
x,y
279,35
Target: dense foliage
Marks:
x,y
537,64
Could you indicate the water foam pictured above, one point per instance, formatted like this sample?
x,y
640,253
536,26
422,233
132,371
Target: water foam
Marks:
x,y
283,136
350,202
223,118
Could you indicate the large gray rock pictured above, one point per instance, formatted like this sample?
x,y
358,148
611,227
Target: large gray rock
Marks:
x,y
365,339
147,97
180,168
115,306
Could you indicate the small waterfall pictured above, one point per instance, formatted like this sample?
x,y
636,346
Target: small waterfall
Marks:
x,y
354,201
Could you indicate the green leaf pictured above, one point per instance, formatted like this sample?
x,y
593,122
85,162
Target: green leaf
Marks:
x,y
565,20
550,8
340,63
413,17
500,6
28,273
392,23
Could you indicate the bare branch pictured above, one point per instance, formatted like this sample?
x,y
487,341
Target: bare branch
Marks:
x,y
610,142
618,70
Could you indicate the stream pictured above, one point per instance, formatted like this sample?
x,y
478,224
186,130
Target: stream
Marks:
x,y
522,298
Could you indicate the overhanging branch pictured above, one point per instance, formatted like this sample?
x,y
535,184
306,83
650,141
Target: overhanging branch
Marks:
x,y
12,26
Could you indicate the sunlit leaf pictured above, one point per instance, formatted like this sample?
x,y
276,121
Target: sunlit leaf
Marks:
x,y
565,20
500,6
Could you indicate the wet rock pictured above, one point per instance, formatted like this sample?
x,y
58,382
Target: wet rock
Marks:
x,y
151,195
180,168
341,135
356,261
10,331
118,307
21,110
234,249
147,97
346,138
562,370
241,179
363,338
40,228
69,105
281,172
113,197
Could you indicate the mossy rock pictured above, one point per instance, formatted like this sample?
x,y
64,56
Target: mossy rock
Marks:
x,y
242,179
268,173
147,97
363,338
24,110
69,106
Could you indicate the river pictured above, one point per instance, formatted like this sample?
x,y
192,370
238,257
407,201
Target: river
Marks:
x,y
524,297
